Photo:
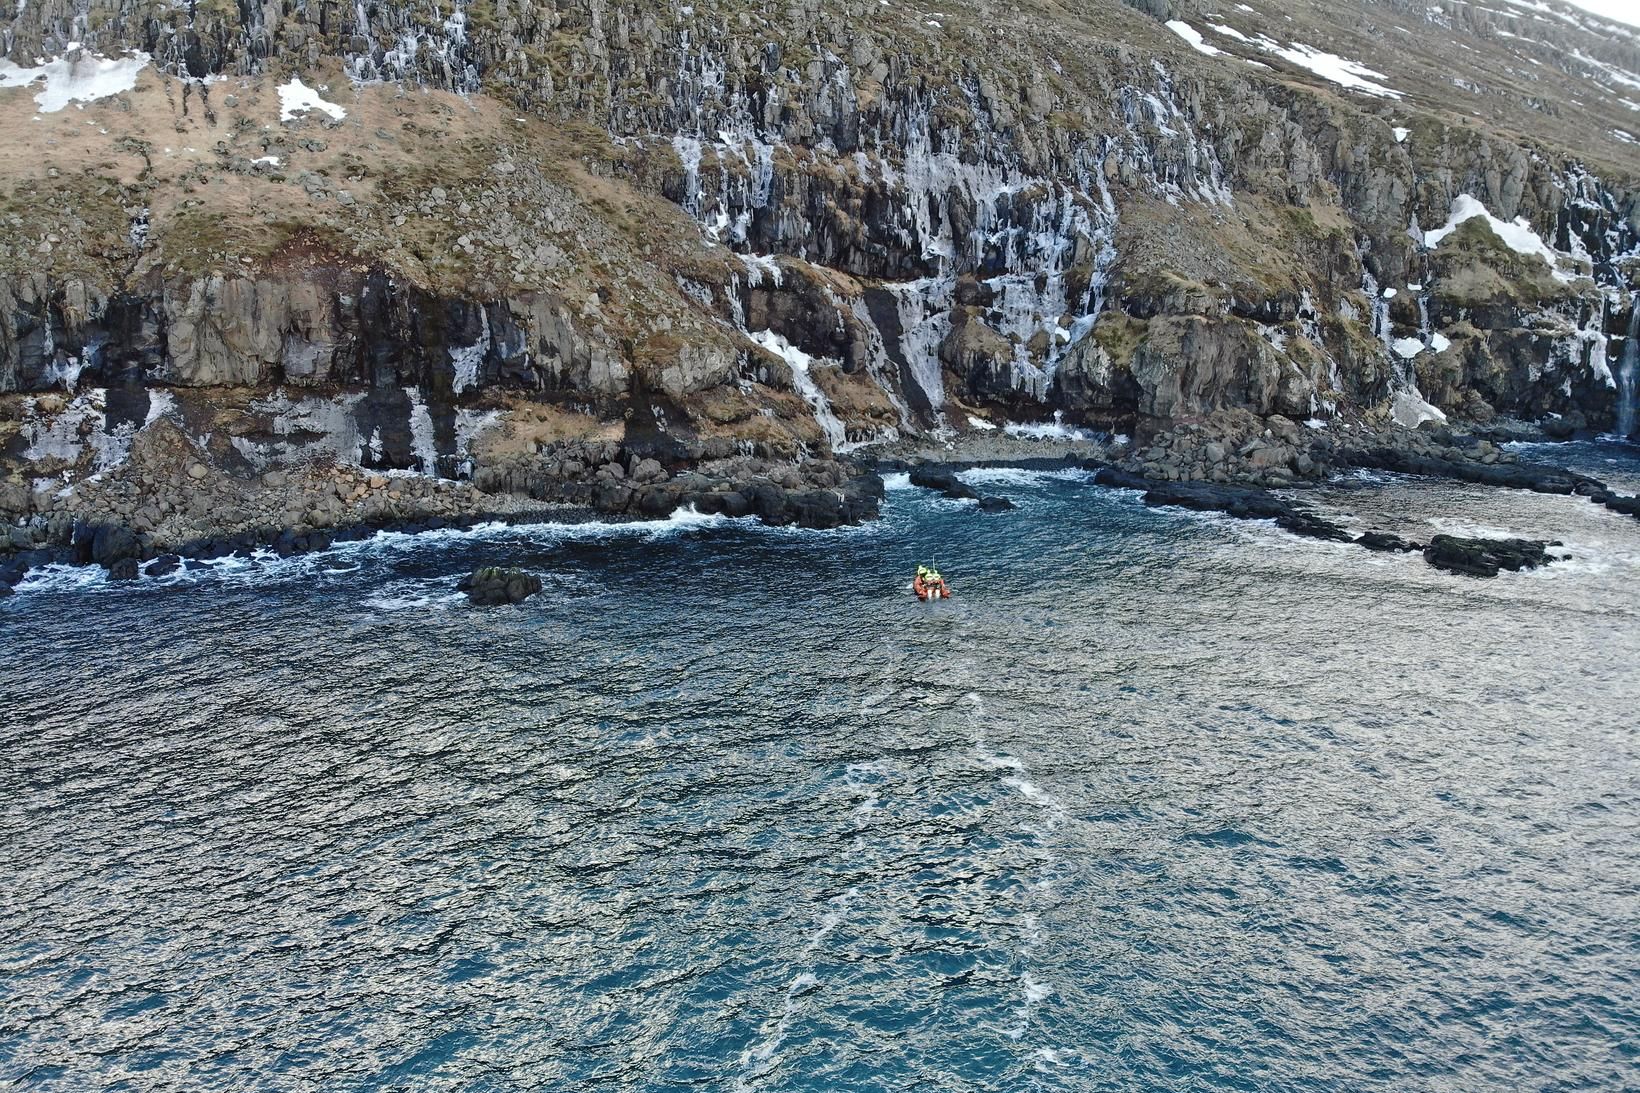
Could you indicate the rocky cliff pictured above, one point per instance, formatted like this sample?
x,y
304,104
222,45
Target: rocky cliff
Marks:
x,y
473,240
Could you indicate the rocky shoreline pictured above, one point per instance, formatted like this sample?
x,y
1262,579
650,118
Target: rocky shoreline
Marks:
x,y
171,504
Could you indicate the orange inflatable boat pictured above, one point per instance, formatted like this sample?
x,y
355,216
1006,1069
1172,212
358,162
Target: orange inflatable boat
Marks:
x,y
929,585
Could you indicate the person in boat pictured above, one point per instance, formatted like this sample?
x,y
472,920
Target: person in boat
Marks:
x,y
928,580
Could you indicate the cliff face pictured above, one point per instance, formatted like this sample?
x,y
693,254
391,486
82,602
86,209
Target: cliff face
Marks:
x,y
399,226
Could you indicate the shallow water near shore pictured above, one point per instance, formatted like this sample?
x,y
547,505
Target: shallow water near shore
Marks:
x,y
1160,800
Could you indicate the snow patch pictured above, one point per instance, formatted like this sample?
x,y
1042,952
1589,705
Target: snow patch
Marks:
x,y
1516,234
1408,347
297,97
1193,36
76,77
1330,66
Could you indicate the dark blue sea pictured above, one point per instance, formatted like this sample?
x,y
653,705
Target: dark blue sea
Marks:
x,y
1159,801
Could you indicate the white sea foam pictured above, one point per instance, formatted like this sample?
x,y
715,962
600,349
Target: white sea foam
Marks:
x,y
411,595
1048,430
265,567
1022,476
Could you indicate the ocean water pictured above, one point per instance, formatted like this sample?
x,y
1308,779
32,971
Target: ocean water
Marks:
x,y
1159,801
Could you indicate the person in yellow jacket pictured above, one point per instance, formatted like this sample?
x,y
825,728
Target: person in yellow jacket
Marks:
x,y
929,579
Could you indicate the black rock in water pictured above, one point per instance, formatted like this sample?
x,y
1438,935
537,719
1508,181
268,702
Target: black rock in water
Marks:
x,y
494,585
1536,477
1485,557
935,477
995,504
1241,502
123,570
1385,541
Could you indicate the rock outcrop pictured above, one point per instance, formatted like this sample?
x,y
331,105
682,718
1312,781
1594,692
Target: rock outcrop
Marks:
x,y
1486,557
493,585
520,248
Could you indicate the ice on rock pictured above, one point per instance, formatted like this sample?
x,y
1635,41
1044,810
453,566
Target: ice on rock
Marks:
x,y
77,77
1408,347
297,97
759,266
466,360
422,441
1410,410
803,380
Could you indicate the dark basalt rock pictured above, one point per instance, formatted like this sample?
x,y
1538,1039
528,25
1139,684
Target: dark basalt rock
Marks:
x,y
123,570
1627,504
932,476
1485,557
1537,477
12,570
494,585
995,504
1241,502
162,566
105,544
1385,541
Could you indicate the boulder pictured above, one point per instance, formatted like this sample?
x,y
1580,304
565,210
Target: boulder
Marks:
x,y
494,585
105,544
995,504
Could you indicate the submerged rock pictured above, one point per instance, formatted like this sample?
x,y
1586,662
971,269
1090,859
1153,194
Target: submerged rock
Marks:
x,y
1485,557
494,585
1386,541
1241,502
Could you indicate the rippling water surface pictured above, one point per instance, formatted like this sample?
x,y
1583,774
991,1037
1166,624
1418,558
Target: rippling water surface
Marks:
x,y
1160,801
